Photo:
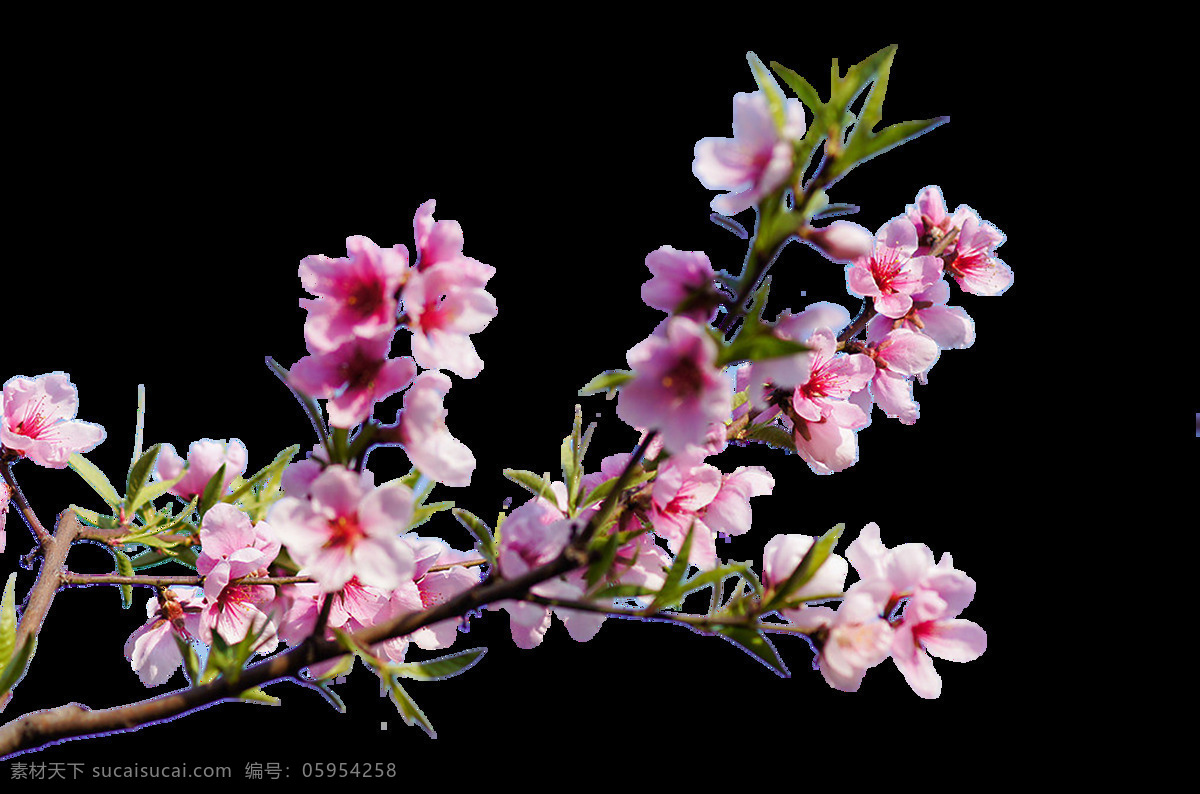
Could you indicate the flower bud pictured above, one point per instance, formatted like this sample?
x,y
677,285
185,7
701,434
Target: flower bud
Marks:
x,y
842,241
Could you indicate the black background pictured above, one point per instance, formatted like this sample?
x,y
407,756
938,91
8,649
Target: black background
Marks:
x,y
166,192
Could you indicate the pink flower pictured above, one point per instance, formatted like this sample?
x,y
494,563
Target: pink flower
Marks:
x,y
788,372
238,611
830,445
892,273
436,587
353,377
347,528
677,388
928,216
832,377
681,279
857,637
931,627
902,567
898,356
729,511
151,649
37,420
441,242
974,266
444,305
756,161
356,294
683,488
425,437
205,458
949,326
232,547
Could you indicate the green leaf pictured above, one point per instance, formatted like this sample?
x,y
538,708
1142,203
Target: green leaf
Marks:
x,y
17,664
772,435
191,664
149,493
671,592
807,568
601,491
609,379
408,708
212,491
767,84
535,484
600,567
754,643
804,92
889,137
139,474
124,568
422,513
758,347
481,532
257,695
344,665
440,668
323,688
95,478
273,471
8,619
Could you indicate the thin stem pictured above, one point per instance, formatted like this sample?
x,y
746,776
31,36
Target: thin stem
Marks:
x,y
31,519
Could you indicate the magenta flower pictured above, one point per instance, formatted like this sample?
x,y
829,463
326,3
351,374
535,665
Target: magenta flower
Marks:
x,y
151,649
832,377
898,356
426,439
232,547
205,458
677,388
788,372
37,420
238,611
356,295
756,161
353,377
347,528
931,627
682,489
679,277
892,272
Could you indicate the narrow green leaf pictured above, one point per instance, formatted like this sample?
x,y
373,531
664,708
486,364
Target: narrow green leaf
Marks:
x,y
326,691
609,379
600,567
440,668
8,619
670,593
140,423
422,513
480,530
212,491
754,643
601,491
344,665
191,663
94,478
807,568
408,708
257,695
139,474
767,84
535,484
758,347
275,467
148,493
888,138
17,664
124,568
772,435
804,91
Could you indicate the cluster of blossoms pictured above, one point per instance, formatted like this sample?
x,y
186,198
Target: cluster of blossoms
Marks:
x,y
903,605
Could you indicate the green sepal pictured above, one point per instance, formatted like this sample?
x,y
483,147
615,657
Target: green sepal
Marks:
x,y
605,381
813,559
94,478
257,695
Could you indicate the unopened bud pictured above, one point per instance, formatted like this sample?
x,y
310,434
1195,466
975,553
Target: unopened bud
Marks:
x,y
842,241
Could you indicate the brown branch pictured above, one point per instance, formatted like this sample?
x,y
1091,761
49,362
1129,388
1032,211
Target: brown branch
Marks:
x,y
37,729
31,519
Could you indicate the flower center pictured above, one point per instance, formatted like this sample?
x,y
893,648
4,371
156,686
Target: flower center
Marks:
x,y
344,531
684,379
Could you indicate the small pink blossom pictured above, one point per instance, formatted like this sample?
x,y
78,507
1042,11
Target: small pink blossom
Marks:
x,y
928,216
857,637
949,326
781,556
892,272
426,439
151,649
441,243
729,511
353,377
931,627
443,306
681,279
347,528
683,488
975,266
239,611
832,377
677,388
757,160
902,567
232,547
356,294
204,460
898,356
37,420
